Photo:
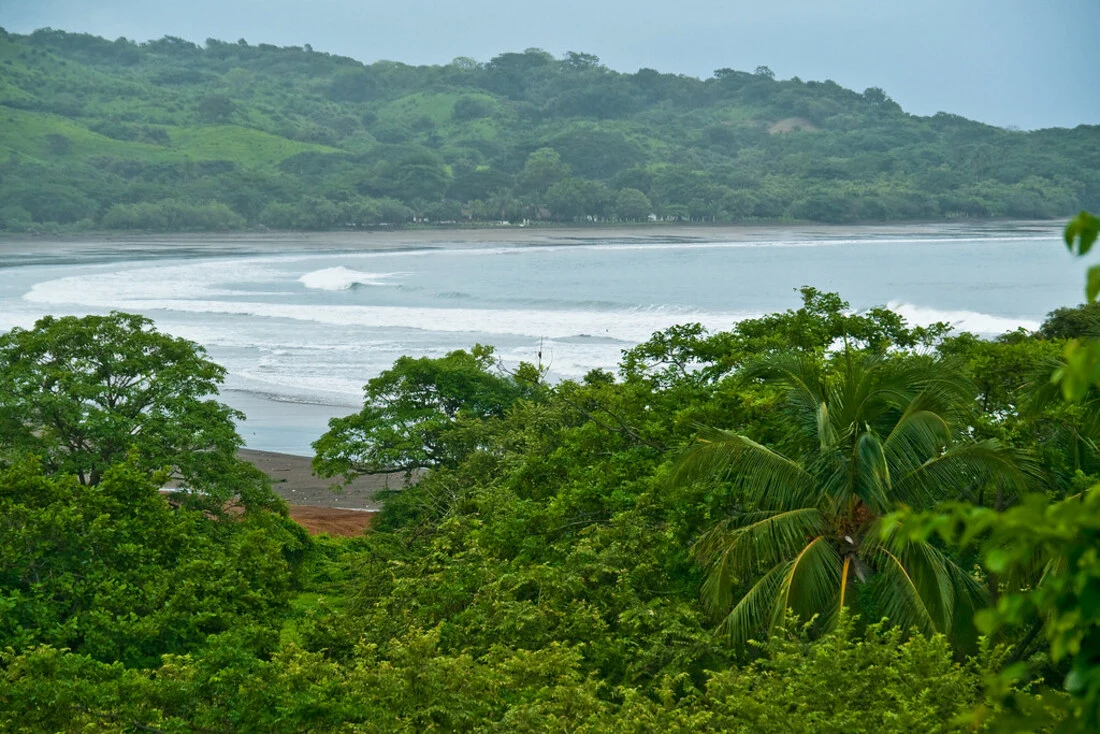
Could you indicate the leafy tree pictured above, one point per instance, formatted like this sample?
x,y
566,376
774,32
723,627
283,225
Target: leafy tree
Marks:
x,y
542,170
875,95
83,393
173,215
215,108
632,205
419,414
309,212
116,572
469,107
807,532
571,199
352,85
1072,322
687,352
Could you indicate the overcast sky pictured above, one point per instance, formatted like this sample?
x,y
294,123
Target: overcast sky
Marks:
x,y
1028,63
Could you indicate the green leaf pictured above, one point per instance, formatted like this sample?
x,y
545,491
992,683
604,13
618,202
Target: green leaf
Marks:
x,y
998,560
986,621
1082,230
1092,284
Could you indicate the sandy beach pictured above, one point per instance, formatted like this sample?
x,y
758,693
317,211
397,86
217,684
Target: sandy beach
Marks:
x,y
294,481
22,249
313,504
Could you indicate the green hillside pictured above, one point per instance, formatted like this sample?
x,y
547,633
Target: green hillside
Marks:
x,y
169,134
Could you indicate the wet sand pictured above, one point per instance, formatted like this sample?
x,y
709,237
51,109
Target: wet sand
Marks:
x,y
24,249
107,247
313,503
294,481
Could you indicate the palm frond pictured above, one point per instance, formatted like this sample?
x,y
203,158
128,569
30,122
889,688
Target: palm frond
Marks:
x,y
741,547
755,611
826,431
765,478
904,606
794,370
917,436
801,374
958,470
926,568
808,584
872,432
947,594
894,387
872,476
812,584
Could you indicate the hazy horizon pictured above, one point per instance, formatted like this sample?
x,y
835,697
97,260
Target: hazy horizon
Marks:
x,y
1019,63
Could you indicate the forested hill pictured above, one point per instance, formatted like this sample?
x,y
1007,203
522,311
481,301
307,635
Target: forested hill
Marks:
x,y
169,135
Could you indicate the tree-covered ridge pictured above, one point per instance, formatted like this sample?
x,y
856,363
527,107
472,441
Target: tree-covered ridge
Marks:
x,y
170,135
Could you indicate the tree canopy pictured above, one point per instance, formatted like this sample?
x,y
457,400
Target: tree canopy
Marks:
x,y
84,393
872,434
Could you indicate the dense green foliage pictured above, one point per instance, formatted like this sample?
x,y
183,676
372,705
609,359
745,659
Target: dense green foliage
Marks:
x,y
413,414
878,433
96,413
169,135
116,573
875,682
82,394
1049,544
572,557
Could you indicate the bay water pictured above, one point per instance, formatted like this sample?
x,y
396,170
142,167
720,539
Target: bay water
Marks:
x,y
302,322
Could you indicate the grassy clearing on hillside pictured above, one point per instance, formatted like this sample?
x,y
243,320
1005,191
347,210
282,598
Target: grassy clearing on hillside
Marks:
x,y
250,148
31,134
38,135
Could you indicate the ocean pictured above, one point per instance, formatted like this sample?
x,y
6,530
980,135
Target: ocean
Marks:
x,y
302,322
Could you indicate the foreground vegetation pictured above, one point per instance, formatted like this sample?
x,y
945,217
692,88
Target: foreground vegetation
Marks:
x,y
169,135
816,521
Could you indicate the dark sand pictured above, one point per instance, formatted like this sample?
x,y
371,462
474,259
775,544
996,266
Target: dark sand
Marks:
x,y
294,481
313,504
108,247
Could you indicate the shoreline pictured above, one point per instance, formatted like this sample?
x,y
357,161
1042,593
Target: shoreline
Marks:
x,y
239,241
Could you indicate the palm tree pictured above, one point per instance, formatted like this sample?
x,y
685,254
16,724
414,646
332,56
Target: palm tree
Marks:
x,y
872,434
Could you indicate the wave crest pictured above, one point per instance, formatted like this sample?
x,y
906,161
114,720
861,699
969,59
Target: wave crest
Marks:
x,y
342,279
976,322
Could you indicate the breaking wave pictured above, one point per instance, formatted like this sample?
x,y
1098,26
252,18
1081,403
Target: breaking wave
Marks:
x,y
342,279
976,322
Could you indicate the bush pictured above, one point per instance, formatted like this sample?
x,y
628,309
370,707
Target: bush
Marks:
x,y
172,215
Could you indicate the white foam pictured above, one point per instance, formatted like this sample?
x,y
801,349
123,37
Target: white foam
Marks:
x,y
201,279
341,279
976,322
633,325
293,380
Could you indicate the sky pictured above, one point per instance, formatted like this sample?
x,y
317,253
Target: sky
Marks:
x,y
1014,63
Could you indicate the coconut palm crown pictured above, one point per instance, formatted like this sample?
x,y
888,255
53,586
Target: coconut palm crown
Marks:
x,y
871,434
